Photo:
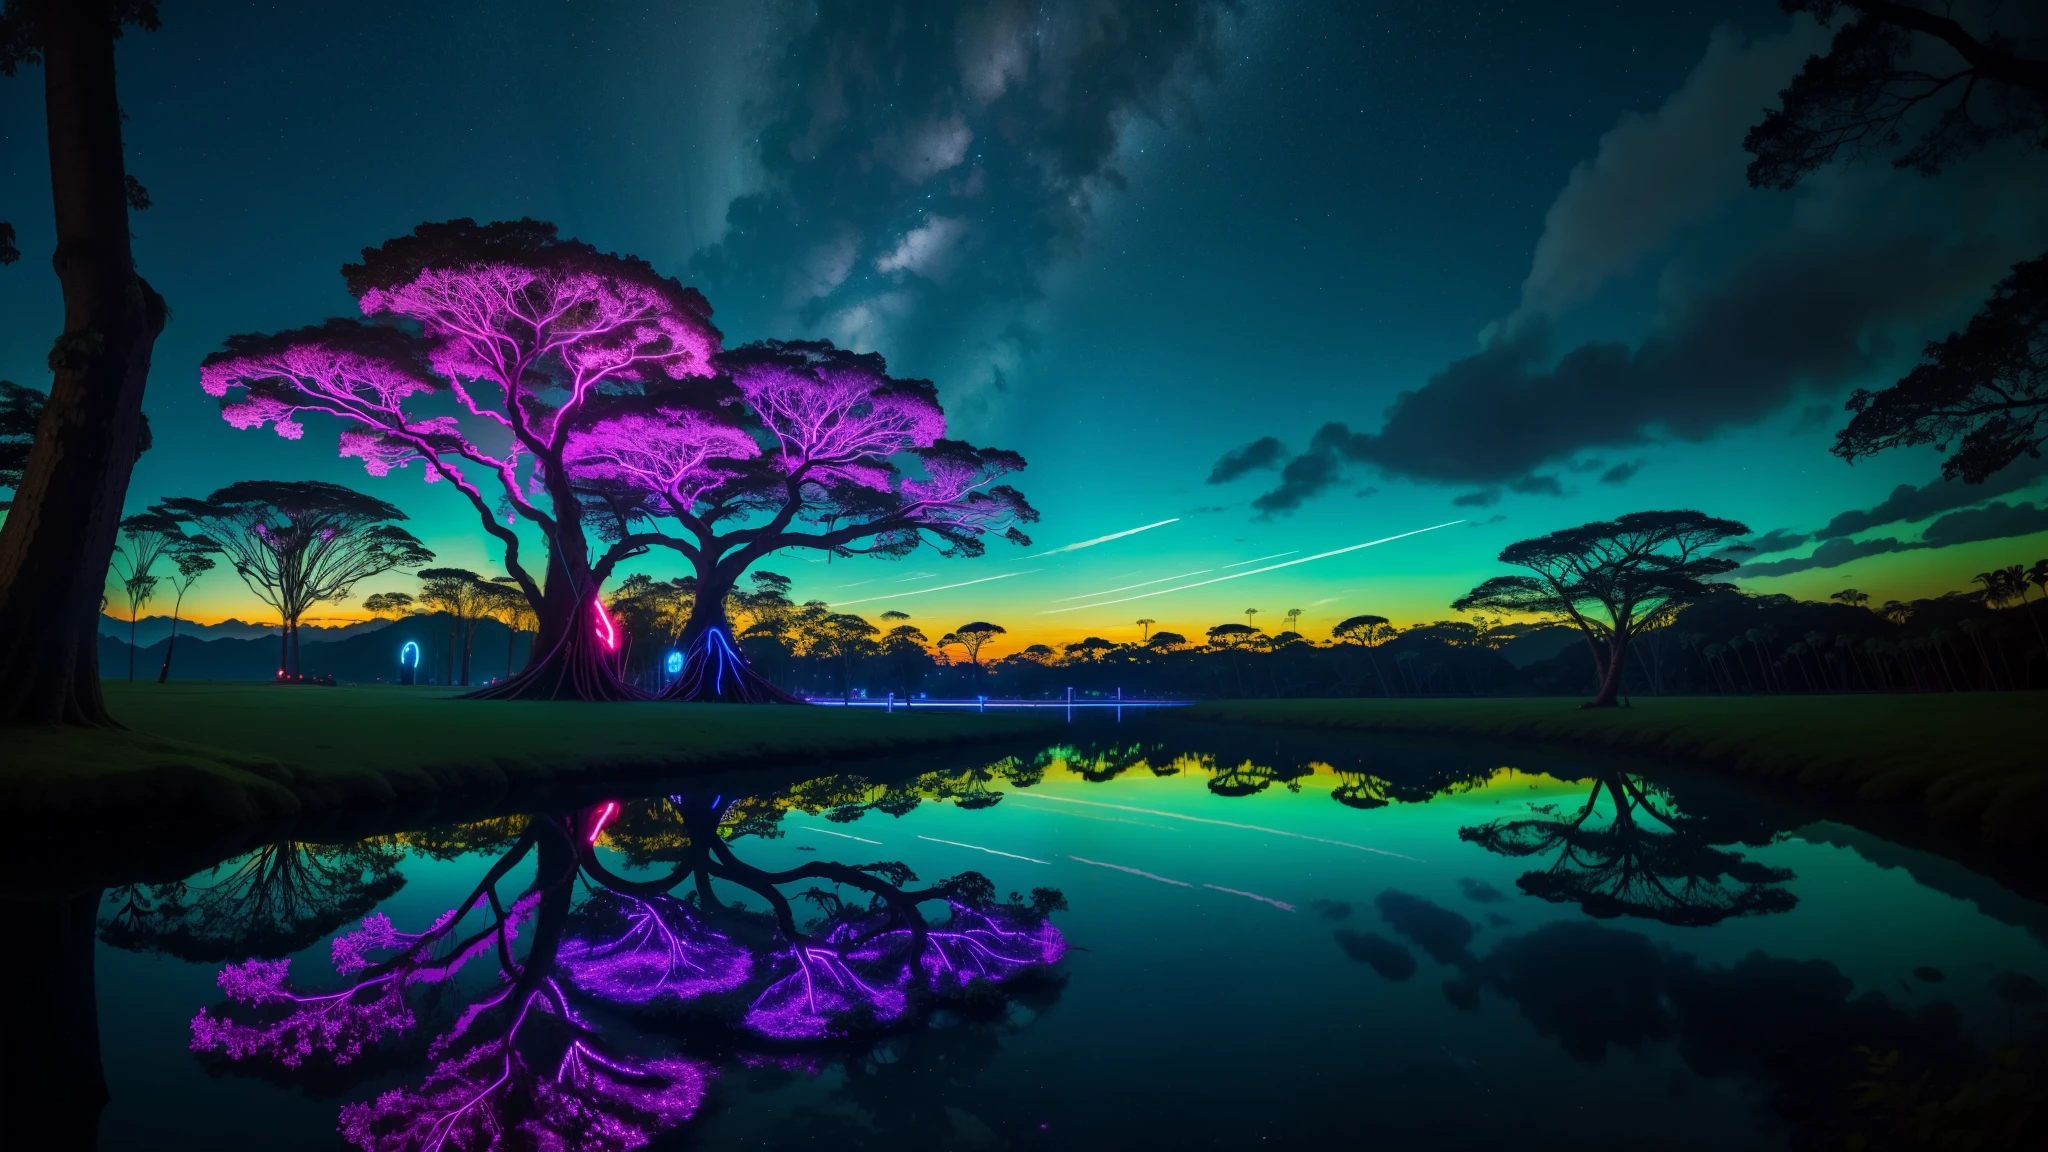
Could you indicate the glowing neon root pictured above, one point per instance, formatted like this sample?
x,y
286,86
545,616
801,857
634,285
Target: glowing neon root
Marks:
x,y
714,671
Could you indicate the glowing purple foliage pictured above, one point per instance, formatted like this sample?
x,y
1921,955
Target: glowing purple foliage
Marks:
x,y
491,1096
863,973
275,1022
663,950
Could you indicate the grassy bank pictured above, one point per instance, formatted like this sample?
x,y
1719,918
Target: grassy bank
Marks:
x,y
238,752
1973,760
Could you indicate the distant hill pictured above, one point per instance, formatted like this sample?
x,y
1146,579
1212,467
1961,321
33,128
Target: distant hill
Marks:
x,y
1539,644
150,629
365,656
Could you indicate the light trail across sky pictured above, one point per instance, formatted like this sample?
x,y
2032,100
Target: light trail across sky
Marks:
x,y
1080,544
1254,571
979,848
1256,559
940,588
1128,587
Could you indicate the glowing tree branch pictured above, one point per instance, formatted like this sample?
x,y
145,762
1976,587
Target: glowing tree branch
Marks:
x,y
523,333
820,449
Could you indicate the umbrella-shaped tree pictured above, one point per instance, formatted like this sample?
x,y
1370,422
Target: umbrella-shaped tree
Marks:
x,y
297,543
1611,579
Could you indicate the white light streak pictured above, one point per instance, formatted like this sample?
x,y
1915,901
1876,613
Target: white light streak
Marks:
x,y
1254,571
979,848
1078,545
1256,559
1128,587
841,835
1280,904
1205,820
940,588
1134,872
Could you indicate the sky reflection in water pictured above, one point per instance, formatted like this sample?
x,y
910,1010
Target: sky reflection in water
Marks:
x,y
1121,943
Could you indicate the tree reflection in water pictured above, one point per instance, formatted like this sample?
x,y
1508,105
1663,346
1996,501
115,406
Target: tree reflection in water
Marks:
x,y
1636,855
271,902
518,1053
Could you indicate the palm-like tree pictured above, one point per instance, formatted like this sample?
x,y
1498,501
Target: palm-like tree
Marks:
x,y
1248,614
1294,619
2017,578
1145,625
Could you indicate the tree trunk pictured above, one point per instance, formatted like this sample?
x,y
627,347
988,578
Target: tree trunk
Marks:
x,y
59,537
131,642
284,648
569,658
52,1087
1610,679
714,668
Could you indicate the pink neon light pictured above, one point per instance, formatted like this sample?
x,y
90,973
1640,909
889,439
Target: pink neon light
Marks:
x,y
605,631
604,816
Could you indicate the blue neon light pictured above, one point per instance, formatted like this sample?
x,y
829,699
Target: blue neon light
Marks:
x,y
674,663
409,656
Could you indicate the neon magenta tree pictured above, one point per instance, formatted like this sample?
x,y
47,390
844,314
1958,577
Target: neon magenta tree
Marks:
x,y
523,336
820,448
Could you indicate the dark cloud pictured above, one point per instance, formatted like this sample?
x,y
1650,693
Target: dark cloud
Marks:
x,y
1496,518
1381,954
1366,491
1480,892
1331,909
1776,540
1995,521
1307,474
1484,498
1434,928
1537,486
1907,502
1831,554
921,165
1621,473
1265,452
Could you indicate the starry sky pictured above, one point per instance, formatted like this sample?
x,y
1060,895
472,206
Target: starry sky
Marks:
x,y
1272,278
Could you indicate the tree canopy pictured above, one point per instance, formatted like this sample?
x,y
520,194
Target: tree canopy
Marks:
x,y
1610,578
1980,395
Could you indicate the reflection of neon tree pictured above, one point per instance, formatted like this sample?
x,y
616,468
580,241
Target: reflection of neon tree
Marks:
x,y
1643,859
853,966
520,1062
523,1059
271,902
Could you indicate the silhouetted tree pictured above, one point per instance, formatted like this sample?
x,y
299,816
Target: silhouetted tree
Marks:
x,y
55,545
193,558
1899,68
1368,632
146,538
1635,856
271,902
297,543
466,598
972,638
1980,395
1611,579
21,409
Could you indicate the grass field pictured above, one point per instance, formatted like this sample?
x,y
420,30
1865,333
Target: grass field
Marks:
x,y
241,752
1973,760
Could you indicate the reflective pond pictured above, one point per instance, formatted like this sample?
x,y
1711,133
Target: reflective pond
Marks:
x,y
1179,938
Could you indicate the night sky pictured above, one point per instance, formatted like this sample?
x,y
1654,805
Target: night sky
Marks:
x,y
1490,263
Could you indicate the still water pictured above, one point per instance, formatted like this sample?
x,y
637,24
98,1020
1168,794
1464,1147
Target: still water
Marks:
x,y
1189,940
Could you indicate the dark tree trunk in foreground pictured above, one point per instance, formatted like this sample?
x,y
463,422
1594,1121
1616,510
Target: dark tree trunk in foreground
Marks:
x,y
51,1085
715,671
59,536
